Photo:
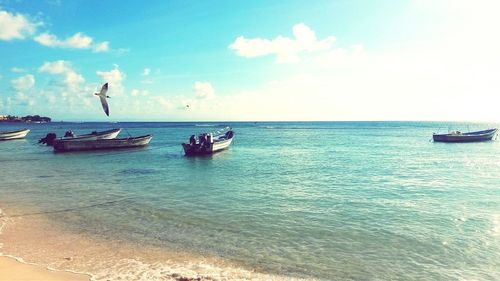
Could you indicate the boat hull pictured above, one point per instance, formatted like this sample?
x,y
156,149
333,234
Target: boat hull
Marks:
x,y
105,135
478,136
87,145
12,135
217,146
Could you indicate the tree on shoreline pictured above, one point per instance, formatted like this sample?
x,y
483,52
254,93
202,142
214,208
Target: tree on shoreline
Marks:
x,y
28,118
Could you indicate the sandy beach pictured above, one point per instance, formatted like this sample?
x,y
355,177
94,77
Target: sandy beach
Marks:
x,y
13,270
44,244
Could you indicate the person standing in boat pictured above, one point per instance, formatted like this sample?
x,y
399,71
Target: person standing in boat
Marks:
x,y
192,140
203,140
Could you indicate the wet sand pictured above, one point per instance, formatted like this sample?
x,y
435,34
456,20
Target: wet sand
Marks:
x,y
39,240
13,270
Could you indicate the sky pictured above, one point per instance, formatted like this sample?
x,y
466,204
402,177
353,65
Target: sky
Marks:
x,y
262,60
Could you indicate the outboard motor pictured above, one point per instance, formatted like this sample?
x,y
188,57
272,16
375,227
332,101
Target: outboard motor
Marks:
x,y
229,134
48,139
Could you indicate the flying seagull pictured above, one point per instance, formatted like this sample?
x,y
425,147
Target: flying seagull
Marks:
x,y
102,96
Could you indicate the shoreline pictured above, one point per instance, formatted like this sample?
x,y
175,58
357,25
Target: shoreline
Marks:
x,y
16,269
64,256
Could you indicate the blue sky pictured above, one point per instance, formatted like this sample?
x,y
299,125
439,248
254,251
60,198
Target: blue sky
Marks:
x,y
251,60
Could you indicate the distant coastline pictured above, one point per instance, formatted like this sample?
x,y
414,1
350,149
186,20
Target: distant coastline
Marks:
x,y
25,119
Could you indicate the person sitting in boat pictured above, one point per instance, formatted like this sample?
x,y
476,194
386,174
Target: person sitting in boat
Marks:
x,y
202,139
69,134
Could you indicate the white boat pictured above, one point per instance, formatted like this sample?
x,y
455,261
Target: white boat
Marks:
x,y
82,145
206,144
50,138
12,135
104,135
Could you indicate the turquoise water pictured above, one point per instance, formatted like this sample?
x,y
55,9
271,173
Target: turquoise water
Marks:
x,y
330,200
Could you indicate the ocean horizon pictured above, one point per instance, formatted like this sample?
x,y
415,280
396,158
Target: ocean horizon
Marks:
x,y
325,200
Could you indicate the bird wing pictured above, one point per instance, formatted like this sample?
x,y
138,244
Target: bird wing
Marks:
x,y
104,104
104,89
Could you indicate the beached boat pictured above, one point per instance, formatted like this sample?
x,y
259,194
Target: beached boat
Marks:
x,y
458,136
104,135
12,135
82,145
208,144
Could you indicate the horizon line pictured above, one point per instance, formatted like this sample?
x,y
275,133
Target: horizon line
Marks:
x,y
257,121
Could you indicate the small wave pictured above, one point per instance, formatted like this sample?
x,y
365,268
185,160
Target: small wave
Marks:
x,y
206,125
495,230
296,128
21,260
133,269
137,171
19,160
3,221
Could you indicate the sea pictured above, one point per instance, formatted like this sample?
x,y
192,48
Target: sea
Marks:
x,y
312,200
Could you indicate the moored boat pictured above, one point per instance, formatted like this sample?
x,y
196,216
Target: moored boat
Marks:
x,y
83,145
104,135
458,136
12,135
208,144
50,138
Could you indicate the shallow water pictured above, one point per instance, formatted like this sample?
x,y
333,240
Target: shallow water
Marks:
x,y
329,200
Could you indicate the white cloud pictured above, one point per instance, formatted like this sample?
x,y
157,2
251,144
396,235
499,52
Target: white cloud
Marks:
x,y
101,47
146,72
21,86
17,69
55,67
77,41
24,99
72,79
115,78
286,49
15,26
18,26
51,99
203,90
23,83
165,103
352,85
137,93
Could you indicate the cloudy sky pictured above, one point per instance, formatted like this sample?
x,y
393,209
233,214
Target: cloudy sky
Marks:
x,y
252,60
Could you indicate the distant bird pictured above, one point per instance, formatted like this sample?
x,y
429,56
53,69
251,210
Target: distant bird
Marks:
x,y
102,96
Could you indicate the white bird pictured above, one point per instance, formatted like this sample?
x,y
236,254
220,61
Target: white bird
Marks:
x,y
102,96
